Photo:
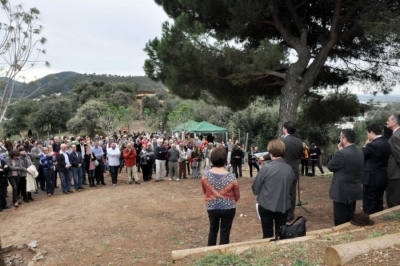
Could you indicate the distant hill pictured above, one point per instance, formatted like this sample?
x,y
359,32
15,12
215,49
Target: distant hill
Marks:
x,y
379,98
63,82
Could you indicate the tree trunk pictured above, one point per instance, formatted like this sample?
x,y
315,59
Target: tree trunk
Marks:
x,y
289,102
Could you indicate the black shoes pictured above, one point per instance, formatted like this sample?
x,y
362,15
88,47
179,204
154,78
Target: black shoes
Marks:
x,y
26,200
137,182
70,191
104,184
65,192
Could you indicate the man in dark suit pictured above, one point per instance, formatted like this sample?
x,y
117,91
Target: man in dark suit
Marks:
x,y
347,167
63,167
393,189
81,147
76,159
293,153
375,176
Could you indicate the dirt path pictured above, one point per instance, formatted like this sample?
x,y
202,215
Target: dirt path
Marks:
x,y
139,224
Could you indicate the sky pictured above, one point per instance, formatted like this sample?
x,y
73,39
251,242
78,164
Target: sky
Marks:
x,y
95,36
98,36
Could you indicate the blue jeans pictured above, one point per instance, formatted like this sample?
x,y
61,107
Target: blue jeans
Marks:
x,y
48,174
78,178
65,180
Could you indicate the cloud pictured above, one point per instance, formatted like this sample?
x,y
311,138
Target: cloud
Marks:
x,y
97,36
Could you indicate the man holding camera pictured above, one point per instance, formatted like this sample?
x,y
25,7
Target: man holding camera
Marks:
x,y
347,166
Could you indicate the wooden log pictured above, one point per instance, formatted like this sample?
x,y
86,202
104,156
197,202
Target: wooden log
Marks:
x,y
243,246
386,211
343,253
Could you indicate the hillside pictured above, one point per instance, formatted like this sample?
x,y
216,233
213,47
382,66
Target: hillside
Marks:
x,y
63,82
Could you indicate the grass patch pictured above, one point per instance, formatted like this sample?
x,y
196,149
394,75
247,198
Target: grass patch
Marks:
x,y
176,241
303,262
348,238
394,216
375,234
106,246
222,260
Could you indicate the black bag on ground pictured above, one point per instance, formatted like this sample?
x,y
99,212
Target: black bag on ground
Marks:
x,y
292,230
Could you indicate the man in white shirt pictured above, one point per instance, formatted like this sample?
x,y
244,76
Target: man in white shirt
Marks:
x,y
113,154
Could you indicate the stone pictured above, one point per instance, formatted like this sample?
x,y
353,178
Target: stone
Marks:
x,y
31,263
33,244
22,246
38,257
7,248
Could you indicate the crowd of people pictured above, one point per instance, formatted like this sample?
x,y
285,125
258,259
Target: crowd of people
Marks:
x,y
358,173
71,163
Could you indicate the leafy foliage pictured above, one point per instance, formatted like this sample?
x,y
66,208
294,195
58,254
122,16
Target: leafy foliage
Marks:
x,y
20,48
19,116
87,117
238,50
64,82
119,94
52,114
150,103
113,118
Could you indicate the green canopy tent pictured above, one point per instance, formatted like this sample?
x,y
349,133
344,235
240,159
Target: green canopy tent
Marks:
x,y
187,126
205,127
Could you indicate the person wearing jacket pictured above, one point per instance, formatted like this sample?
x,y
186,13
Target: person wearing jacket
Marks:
x,y
253,161
36,153
15,166
272,187
160,153
3,185
304,160
63,167
76,167
375,175
347,166
25,163
47,161
147,161
236,160
90,157
197,157
182,161
130,158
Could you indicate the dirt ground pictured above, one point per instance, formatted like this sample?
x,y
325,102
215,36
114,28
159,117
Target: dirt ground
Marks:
x,y
140,224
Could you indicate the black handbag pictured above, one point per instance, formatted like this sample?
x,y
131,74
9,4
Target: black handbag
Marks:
x,y
292,230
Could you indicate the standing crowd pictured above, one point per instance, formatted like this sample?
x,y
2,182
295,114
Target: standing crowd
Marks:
x,y
365,173
72,163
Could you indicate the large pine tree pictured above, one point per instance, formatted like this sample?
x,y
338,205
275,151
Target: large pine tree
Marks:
x,y
237,49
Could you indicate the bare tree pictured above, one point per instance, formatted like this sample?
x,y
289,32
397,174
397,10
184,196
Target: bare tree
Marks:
x,y
19,48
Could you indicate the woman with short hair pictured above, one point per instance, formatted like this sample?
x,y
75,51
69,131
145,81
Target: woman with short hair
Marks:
x,y
15,166
272,186
221,191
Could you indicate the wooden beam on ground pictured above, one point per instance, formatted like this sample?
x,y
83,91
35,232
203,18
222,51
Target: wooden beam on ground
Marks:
x,y
341,254
240,247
